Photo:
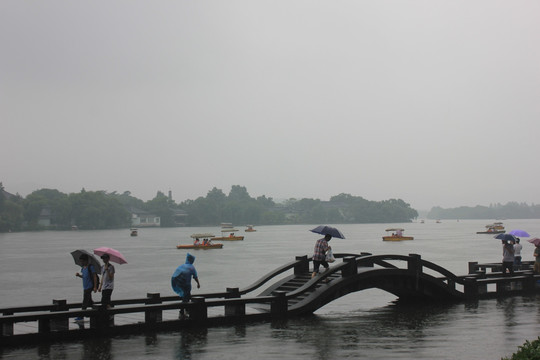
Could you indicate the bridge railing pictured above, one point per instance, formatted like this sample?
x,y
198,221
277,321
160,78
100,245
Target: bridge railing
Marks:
x,y
478,268
55,317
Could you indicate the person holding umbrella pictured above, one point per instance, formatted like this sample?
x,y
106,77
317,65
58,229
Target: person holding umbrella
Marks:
x,y
508,257
319,254
536,254
181,280
517,254
107,281
88,275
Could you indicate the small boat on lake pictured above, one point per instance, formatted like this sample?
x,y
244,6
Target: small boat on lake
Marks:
x,y
230,237
250,228
228,228
205,244
134,232
397,235
495,228
200,247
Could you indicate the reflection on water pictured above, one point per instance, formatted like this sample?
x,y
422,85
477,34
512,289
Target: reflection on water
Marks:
x,y
190,342
397,331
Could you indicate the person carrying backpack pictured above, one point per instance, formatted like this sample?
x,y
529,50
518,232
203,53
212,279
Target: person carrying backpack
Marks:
x,y
90,282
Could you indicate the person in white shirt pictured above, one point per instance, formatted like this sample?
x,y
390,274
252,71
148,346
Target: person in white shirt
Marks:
x,y
517,254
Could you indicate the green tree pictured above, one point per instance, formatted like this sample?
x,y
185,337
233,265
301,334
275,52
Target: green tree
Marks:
x,y
162,206
11,211
97,210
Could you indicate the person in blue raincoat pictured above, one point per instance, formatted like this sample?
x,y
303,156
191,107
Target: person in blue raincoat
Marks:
x,y
181,280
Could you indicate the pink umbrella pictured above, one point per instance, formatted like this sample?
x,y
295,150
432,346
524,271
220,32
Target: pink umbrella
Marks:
x,y
535,241
115,255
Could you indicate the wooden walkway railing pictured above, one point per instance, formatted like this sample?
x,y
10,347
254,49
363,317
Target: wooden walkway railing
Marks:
x,y
21,325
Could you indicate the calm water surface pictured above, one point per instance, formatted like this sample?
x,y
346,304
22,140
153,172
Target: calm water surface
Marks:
x,y
36,268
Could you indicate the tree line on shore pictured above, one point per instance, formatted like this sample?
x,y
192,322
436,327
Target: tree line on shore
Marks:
x,y
103,210
511,210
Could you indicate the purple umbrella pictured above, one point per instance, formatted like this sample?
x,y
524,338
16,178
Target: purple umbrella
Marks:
x,y
521,233
535,241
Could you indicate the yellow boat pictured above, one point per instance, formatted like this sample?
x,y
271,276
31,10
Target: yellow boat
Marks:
x,y
201,245
397,235
228,228
495,228
231,237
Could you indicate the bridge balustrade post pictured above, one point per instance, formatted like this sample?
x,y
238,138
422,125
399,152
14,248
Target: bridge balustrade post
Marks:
x,y
61,324
414,266
101,319
503,286
7,327
44,325
351,268
279,305
152,316
199,310
302,266
470,287
365,263
234,309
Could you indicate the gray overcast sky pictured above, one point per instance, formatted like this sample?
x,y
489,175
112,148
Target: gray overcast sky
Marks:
x,y
434,102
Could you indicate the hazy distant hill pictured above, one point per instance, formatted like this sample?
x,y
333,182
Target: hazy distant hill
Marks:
x,y
511,210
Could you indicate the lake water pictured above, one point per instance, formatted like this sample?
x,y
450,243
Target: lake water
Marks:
x,y
36,267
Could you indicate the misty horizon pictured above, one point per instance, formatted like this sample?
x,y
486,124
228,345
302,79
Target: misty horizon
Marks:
x,y
434,103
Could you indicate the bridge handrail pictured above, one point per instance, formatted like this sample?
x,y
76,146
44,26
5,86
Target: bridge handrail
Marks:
x,y
428,264
133,309
264,279
372,259
313,282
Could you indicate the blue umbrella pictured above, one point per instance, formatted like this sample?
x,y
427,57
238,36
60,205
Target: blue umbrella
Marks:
x,y
521,233
506,237
328,230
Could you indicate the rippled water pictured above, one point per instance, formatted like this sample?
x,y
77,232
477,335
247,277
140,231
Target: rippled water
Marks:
x,y
36,268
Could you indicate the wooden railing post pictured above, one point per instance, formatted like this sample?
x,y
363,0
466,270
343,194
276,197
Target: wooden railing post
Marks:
x,y
152,316
351,268
470,287
502,286
414,266
236,308
199,310
414,263
61,324
473,268
302,266
44,325
364,263
279,305
7,327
